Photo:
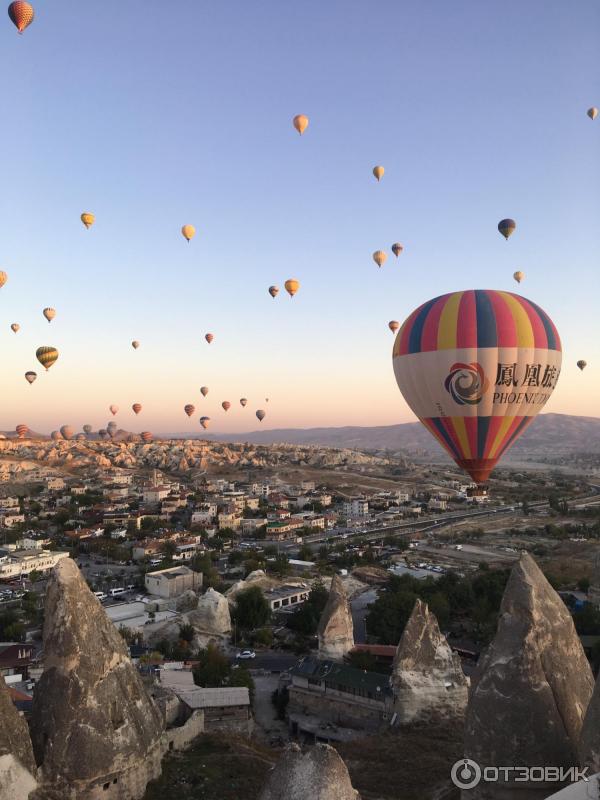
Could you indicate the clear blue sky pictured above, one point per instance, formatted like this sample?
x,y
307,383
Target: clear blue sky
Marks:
x,y
154,114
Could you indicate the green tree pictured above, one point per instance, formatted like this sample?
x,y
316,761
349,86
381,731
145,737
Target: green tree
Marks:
x,y
251,609
213,667
186,632
305,619
305,553
241,677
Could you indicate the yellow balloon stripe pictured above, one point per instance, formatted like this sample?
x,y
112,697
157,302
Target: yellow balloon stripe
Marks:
x,y
448,322
525,335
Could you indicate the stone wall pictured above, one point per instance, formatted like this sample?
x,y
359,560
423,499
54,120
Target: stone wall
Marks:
x,y
182,736
335,708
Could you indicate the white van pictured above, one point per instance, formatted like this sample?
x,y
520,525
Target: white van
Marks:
x,y
100,595
117,592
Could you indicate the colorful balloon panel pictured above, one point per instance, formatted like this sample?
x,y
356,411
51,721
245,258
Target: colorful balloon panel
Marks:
x,y
476,367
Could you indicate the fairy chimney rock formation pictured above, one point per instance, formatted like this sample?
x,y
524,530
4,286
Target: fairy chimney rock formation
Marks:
x,y
335,631
17,764
531,688
589,742
211,616
427,677
94,727
318,773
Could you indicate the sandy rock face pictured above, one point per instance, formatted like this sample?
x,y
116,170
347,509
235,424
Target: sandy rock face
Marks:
x,y
427,677
211,615
16,782
318,773
531,688
93,722
17,764
336,631
187,601
589,743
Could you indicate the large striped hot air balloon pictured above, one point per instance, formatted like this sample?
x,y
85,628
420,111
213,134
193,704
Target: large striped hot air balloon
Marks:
x,y
46,356
22,431
21,14
476,367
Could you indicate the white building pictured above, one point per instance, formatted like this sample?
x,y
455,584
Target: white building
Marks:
x,y
9,520
357,507
154,494
21,563
172,582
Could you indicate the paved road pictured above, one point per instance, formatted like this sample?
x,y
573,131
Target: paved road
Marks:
x,y
271,660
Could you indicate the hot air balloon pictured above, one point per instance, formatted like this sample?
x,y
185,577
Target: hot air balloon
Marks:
x,y
393,325
111,429
30,377
87,428
243,402
209,337
226,405
188,232
592,112
88,219
518,276
397,248
113,409
476,367
204,391
291,286
260,414
103,434
189,409
55,436
582,364
266,399
21,14
67,432
205,422
80,437
22,431
507,227
135,344
273,291
136,408
3,278
146,436
378,172
300,123
379,257
47,356
49,313
15,327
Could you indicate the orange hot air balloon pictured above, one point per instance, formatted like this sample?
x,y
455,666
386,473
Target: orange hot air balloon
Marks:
x,y
49,313
113,409
518,276
273,291
22,431
476,367
397,248
243,402
226,405
300,123
378,172
204,391
21,14
260,414
146,436
88,219
47,356
15,327
188,232
55,436
30,377
135,344
379,257
291,286
209,337
136,407
3,278
205,422
67,432
393,325
189,409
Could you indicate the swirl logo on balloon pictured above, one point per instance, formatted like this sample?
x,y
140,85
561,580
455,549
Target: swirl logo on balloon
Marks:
x,y
466,383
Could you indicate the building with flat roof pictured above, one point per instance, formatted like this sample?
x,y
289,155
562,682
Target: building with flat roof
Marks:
x,y
172,582
21,562
286,596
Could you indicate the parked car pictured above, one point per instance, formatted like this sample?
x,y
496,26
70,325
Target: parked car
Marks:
x,y
246,654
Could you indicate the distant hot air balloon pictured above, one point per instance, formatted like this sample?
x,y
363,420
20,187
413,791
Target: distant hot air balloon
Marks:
x,y
397,248
111,429
80,437
518,276
136,408
226,405
135,344
55,436
3,278
87,428
113,409
146,436
379,257
266,399
300,123
476,367
67,432
507,227
205,422
378,172
273,291
393,325
291,286
209,337
188,232
88,219
260,414
49,313
189,409
592,112
243,402
21,14
30,377
103,434
47,356
204,391
22,431
582,364
15,327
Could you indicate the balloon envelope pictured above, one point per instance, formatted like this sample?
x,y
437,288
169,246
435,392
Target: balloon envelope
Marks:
x,y
592,112
55,435
204,391
67,432
135,344
3,278
87,428
188,232
243,401
209,337
205,422
226,405
22,431
49,313
261,414
300,123
379,257
88,219
393,325
378,172
519,276
47,356
273,291
397,248
113,409
15,327
507,227
30,376
476,367
136,408
291,286
189,409
21,14
146,436
582,364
